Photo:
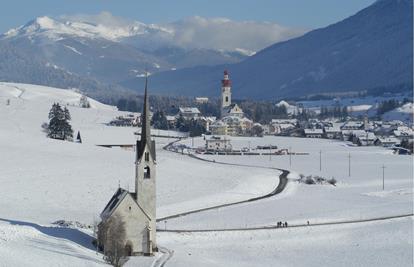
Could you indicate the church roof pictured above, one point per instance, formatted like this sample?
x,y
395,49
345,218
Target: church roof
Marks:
x,y
116,199
114,202
230,109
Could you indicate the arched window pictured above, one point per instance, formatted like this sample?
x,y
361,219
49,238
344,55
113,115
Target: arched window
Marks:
x,y
147,172
227,99
146,156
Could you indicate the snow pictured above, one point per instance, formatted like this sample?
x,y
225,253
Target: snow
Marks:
x,y
45,180
291,109
283,103
403,113
73,49
352,198
64,180
383,243
357,108
245,52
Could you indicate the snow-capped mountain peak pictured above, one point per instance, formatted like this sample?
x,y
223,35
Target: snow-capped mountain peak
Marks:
x,y
56,28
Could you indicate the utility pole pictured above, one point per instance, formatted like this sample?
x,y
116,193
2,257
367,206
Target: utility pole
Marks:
x,y
349,164
320,160
383,177
290,156
270,152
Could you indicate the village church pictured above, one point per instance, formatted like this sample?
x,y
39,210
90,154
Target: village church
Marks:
x,y
137,209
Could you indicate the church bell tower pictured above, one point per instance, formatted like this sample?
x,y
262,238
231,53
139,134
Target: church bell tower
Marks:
x,y
145,173
225,91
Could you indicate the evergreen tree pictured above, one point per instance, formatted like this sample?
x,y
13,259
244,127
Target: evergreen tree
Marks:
x,y
180,124
159,120
79,138
59,127
195,128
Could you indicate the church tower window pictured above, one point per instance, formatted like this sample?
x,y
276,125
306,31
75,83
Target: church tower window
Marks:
x,y
147,172
146,156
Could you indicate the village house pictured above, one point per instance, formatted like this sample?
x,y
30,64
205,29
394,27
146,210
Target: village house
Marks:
x,y
171,120
347,135
332,132
218,128
352,125
206,122
189,113
313,133
234,125
364,138
218,143
391,141
403,133
282,126
127,120
201,100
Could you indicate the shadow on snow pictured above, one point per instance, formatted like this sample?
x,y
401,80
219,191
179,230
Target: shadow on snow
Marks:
x,y
70,234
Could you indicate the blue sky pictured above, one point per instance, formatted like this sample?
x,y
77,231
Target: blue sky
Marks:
x,y
307,14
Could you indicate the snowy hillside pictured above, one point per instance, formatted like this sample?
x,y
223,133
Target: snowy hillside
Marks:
x,y
404,113
59,180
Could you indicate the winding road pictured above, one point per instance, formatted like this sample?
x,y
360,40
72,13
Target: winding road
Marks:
x,y
283,180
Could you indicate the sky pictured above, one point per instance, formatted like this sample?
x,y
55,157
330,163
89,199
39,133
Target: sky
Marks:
x,y
306,14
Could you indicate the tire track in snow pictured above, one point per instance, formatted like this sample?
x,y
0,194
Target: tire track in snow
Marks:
x,y
160,262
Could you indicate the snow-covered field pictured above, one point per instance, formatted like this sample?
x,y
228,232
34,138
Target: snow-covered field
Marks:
x,y
359,196
385,243
44,180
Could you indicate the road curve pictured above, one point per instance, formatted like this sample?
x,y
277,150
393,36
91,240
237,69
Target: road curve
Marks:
x,y
283,180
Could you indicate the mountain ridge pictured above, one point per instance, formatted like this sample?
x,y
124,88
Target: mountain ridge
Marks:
x,y
370,49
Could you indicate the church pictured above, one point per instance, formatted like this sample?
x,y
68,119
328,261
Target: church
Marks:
x,y
136,210
227,108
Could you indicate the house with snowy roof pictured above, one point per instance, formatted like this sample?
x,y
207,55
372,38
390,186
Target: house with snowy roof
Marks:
x,y
189,113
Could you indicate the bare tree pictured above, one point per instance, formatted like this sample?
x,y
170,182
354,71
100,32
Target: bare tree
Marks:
x,y
111,237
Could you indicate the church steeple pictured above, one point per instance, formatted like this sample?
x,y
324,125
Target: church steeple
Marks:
x,y
146,127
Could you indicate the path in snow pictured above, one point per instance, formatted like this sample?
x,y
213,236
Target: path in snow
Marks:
x,y
283,180
272,227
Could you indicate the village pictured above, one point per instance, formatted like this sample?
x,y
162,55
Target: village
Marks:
x,y
217,131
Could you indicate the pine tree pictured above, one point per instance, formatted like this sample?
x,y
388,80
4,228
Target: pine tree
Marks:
x,y
79,138
59,127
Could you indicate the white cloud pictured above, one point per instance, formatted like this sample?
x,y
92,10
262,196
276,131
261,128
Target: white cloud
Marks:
x,y
196,32
225,34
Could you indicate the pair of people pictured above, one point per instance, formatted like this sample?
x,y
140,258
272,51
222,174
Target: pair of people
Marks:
x,y
282,224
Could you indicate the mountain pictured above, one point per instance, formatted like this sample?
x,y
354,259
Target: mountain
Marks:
x,y
109,50
16,65
373,48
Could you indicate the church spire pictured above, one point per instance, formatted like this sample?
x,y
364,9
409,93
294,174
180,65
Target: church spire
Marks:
x,y
146,130
146,126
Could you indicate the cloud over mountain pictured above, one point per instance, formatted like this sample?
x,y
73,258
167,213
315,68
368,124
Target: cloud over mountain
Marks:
x,y
195,32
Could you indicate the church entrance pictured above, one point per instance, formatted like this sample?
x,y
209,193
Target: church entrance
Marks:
x,y
128,250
